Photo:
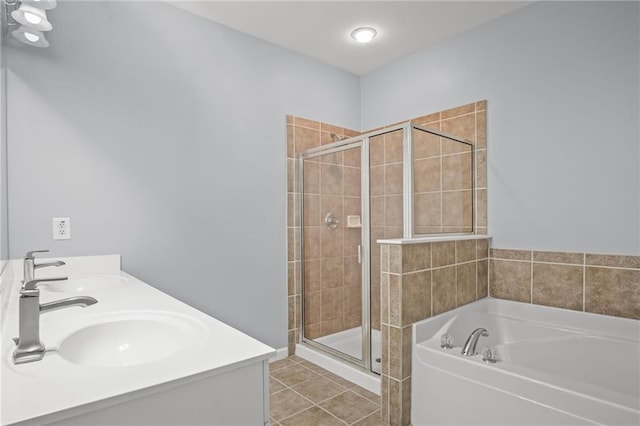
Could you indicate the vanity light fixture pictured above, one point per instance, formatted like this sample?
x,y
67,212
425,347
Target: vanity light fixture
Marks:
x,y
41,4
29,36
32,17
363,34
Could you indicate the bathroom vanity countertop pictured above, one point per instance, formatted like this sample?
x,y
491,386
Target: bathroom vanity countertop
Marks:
x,y
55,384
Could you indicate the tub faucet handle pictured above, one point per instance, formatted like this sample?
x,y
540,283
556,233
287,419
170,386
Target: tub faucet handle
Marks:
x,y
489,355
446,341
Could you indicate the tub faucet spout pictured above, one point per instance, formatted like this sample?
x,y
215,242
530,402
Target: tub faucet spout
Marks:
x,y
469,348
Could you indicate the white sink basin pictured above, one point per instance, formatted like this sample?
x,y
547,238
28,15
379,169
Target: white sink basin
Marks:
x,y
130,340
85,283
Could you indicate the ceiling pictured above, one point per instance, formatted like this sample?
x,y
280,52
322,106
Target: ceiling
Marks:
x,y
321,29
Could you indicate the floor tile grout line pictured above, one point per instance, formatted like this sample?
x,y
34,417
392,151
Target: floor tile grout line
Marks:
x,y
368,415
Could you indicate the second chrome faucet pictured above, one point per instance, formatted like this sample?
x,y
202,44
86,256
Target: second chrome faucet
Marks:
x,y
29,346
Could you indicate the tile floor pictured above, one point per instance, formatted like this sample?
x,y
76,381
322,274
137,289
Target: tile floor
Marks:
x,y
304,394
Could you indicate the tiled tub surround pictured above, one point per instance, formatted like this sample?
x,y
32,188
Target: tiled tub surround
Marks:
x,y
417,281
601,284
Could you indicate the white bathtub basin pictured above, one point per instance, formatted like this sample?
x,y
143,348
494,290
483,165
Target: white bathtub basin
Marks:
x,y
554,367
128,340
88,284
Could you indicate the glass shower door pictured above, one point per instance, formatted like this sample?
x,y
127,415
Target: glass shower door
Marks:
x,y
332,252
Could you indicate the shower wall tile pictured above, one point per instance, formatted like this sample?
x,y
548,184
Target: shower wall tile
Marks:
x,y
393,147
481,168
376,151
429,118
303,122
428,170
481,130
428,212
457,111
305,139
426,145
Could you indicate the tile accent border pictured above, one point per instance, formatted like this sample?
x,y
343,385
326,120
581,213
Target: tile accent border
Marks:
x,y
595,283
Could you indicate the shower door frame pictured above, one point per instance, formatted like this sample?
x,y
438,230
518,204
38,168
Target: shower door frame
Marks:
x,y
364,252
362,141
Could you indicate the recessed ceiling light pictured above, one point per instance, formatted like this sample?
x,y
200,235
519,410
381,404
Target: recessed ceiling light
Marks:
x,y
363,34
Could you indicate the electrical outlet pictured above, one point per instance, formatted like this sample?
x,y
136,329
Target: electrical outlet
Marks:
x,y
61,228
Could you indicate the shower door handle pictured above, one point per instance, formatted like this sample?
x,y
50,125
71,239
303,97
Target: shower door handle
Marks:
x,y
359,253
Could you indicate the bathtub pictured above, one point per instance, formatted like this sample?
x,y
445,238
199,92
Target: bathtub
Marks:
x,y
555,367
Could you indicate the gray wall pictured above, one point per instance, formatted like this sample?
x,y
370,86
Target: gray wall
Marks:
x,y
162,136
562,84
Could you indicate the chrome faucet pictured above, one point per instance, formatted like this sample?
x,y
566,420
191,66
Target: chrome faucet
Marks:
x,y
29,347
29,265
469,348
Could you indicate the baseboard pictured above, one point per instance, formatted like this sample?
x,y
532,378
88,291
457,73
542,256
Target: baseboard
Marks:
x,y
281,353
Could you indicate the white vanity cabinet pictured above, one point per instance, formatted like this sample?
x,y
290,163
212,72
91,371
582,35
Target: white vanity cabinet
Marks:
x,y
137,357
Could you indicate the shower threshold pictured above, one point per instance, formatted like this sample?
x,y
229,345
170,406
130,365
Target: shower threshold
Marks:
x,y
348,342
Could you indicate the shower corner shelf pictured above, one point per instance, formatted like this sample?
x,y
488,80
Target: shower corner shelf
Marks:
x,y
354,221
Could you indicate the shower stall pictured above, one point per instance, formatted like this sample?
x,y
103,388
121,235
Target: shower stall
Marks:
x,y
403,181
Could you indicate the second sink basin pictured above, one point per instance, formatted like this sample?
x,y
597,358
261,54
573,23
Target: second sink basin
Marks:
x,y
85,283
129,340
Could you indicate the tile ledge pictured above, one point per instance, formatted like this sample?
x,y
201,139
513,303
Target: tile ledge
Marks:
x,y
432,239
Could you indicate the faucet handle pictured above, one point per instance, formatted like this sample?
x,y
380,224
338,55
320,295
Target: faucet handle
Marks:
x,y
30,254
31,285
45,264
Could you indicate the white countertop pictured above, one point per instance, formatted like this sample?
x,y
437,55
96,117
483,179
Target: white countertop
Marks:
x,y
54,384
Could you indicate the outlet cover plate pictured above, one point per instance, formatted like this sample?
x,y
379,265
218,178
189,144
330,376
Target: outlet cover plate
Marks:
x,y
61,228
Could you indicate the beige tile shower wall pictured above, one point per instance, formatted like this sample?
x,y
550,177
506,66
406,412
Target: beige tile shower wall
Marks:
x,y
418,281
601,284
332,274
443,172
385,178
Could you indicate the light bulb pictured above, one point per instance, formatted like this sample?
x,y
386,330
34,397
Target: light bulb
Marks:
x,y
32,19
363,34
31,37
